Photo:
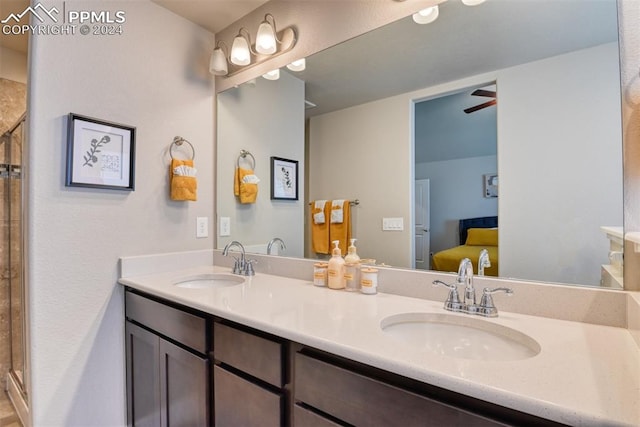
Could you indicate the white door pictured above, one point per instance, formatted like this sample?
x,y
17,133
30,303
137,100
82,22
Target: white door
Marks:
x,y
422,224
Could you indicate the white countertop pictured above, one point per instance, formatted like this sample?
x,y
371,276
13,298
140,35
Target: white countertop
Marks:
x,y
585,374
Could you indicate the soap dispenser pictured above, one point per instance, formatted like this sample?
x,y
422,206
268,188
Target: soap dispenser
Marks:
x,y
352,268
352,256
335,271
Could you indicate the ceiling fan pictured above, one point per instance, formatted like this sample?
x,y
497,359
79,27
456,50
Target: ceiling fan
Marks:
x,y
482,92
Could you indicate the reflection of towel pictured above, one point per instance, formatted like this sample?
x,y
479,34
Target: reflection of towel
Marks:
x,y
341,231
246,191
337,215
318,211
320,231
182,187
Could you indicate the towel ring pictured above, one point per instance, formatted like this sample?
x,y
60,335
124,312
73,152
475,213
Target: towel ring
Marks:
x,y
243,155
178,140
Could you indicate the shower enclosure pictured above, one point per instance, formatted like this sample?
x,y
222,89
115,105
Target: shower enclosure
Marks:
x,y
12,300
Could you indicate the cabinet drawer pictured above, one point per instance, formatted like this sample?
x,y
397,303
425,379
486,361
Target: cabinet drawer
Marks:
x,y
239,402
303,417
364,401
186,328
253,354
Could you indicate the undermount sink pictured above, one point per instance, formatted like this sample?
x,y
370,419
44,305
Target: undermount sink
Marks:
x,y
463,337
209,281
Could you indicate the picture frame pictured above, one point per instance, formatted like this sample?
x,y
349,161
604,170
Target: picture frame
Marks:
x,y
490,181
284,179
100,154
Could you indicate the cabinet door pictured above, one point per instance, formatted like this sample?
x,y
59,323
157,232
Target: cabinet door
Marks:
x,y
241,403
143,367
184,389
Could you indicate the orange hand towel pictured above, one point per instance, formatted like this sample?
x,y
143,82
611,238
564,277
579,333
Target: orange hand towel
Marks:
x,y
182,187
341,231
320,231
245,191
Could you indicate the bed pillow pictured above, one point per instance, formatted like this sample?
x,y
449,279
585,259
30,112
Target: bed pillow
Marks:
x,y
482,237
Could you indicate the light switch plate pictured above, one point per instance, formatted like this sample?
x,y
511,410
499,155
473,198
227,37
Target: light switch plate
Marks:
x,y
225,226
392,224
202,227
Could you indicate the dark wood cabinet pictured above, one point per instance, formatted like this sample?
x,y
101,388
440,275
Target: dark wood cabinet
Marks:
x,y
187,368
167,381
249,380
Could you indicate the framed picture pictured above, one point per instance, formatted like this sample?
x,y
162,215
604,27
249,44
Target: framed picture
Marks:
x,y
100,154
284,179
490,181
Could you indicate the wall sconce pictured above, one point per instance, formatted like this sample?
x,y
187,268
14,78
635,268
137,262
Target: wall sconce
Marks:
x,y
269,44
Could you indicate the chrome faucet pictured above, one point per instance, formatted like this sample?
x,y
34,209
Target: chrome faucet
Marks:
x,y
283,247
483,262
242,266
486,307
465,276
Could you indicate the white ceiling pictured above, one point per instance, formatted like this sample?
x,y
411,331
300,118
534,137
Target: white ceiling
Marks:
x,y
214,15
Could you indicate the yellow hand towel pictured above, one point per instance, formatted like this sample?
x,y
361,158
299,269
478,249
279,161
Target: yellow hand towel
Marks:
x,y
182,187
245,191
341,231
320,230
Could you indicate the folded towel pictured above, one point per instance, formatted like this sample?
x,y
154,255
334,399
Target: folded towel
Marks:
x,y
337,215
341,231
183,187
246,191
318,211
320,230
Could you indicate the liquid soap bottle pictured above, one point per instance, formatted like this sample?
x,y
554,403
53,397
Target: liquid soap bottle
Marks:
x,y
352,256
352,268
335,272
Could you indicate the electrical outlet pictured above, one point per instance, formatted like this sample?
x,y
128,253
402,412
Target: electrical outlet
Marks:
x,y
202,227
225,226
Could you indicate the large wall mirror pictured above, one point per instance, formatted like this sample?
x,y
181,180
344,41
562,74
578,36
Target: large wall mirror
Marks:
x,y
376,117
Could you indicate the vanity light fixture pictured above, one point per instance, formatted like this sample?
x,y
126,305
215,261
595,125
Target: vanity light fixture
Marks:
x,y
472,2
218,62
269,44
272,75
298,65
266,39
241,48
426,16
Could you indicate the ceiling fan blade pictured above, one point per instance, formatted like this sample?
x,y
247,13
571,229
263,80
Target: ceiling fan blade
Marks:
x,y
480,106
482,92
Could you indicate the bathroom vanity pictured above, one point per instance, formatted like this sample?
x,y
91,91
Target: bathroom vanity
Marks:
x,y
279,351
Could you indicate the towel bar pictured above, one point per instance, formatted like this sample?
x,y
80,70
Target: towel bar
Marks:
x,y
243,155
178,140
355,202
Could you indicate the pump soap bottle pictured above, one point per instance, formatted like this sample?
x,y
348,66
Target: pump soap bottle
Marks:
x,y
336,268
352,256
352,268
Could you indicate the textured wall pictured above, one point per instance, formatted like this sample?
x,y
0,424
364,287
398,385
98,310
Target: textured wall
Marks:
x,y
154,77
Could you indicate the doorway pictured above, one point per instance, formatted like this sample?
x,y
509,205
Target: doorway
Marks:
x,y
455,147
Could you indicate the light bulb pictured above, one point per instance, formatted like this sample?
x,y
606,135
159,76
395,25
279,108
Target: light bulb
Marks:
x,y
272,75
218,63
298,65
266,39
240,54
426,16
472,2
